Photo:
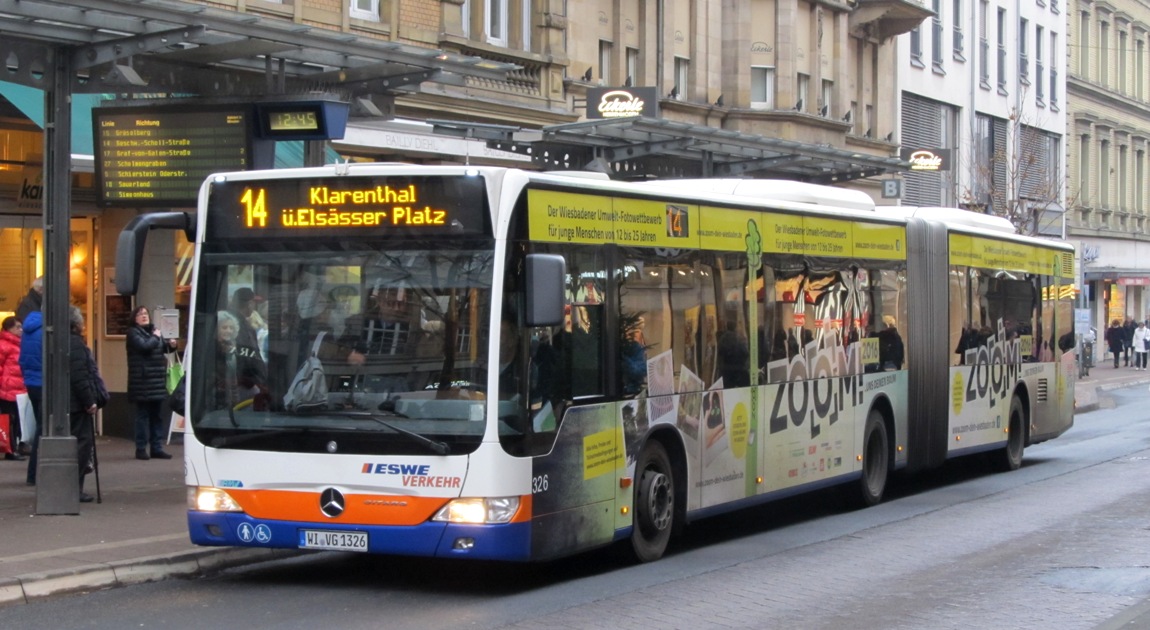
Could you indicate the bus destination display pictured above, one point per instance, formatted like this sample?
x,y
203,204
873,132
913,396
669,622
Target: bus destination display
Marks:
x,y
343,206
159,156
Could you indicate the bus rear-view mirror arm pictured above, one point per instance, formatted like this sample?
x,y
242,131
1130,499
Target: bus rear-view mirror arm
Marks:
x,y
546,277
130,246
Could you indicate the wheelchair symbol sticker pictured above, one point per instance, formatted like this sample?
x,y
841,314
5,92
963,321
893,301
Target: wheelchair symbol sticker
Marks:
x,y
258,533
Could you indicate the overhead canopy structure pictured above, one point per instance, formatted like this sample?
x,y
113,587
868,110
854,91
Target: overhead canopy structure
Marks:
x,y
638,147
172,47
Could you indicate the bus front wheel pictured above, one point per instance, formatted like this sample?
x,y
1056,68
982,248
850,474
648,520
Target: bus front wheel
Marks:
x,y
654,503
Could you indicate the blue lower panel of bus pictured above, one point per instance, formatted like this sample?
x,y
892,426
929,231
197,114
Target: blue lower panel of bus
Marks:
x,y
481,542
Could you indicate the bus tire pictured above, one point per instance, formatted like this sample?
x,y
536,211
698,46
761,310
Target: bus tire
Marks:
x,y
654,514
1009,457
875,462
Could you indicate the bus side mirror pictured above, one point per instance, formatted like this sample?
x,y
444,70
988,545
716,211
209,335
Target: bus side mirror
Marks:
x,y
546,278
130,245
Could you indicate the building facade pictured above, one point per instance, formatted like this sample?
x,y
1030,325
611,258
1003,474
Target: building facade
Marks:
x,y
1109,130
784,88
982,83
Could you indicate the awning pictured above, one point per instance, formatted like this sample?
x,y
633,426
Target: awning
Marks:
x,y
637,147
172,47
30,102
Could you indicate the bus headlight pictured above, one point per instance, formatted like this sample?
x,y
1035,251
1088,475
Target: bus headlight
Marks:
x,y
477,511
211,500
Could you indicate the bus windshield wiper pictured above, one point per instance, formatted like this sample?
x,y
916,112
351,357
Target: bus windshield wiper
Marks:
x,y
435,446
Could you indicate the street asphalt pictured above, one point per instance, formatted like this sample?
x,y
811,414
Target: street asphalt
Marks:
x,y
138,532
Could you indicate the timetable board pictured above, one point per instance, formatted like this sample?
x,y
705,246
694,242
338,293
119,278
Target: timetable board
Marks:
x,y
159,156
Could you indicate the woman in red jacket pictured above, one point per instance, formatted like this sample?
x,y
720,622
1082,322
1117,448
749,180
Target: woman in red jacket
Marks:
x,y
11,380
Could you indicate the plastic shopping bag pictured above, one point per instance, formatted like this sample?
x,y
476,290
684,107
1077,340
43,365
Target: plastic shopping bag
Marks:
x,y
175,371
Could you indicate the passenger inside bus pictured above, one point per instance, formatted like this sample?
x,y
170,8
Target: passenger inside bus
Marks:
x,y
891,351
511,372
241,375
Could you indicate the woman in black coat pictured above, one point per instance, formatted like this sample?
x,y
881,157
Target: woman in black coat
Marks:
x,y
88,394
1115,338
148,382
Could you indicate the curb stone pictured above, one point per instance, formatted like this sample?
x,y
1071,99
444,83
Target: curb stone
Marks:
x,y
198,562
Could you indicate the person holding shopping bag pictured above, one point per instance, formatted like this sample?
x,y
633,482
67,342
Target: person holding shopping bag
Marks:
x,y
148,382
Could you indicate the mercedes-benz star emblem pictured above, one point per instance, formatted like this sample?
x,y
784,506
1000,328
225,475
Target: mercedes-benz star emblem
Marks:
x,y
331,503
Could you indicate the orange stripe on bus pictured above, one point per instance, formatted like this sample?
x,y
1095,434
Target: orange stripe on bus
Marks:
x,y
361,509
524,513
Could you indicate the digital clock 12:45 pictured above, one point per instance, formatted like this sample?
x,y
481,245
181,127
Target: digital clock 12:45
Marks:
x,y
298,120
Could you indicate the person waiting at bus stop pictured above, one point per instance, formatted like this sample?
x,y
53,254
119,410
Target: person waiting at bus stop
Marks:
x,y
1115,340
88,395
148,381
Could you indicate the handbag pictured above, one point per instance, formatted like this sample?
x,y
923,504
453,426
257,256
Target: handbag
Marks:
x,y
175,371
27,418
5,439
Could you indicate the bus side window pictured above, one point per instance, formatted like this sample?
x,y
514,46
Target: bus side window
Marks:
x,y
585,350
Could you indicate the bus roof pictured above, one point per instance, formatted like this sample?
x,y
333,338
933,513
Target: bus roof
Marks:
x,y
773,190
953,216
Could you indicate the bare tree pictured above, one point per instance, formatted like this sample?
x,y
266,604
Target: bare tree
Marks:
x,y
1016,172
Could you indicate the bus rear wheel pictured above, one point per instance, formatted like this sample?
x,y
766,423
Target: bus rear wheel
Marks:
x,y
875,462
1009,457
654,515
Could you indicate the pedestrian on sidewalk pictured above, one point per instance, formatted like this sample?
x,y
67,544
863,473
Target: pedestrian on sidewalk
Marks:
x,y
89,395
1128,342
1115,340
11,382
1141,345
31,302
148,382
32,368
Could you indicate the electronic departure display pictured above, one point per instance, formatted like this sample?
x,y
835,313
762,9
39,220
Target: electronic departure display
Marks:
x,y
159,156
348,206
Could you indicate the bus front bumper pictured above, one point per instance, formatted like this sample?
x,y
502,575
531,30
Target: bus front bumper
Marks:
x,y
510,541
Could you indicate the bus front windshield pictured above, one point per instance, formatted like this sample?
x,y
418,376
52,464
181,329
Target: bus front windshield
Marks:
x,y
363,349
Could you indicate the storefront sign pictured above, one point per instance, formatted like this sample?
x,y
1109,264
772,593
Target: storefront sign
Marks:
x,y
928,160
31,194
622,102
1129,282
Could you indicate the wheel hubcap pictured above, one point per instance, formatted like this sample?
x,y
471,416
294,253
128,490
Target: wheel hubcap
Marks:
x,y
658,500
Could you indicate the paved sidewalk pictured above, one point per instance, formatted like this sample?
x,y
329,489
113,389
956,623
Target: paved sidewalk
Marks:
x,y
139,532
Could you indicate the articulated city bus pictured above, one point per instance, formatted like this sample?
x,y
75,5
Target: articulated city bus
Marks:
x,y
492,363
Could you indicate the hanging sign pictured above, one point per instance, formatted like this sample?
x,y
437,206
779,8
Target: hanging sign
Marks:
x,y
622,102
928,160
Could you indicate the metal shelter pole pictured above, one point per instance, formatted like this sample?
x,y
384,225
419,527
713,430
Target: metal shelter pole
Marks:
x,y
57,476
